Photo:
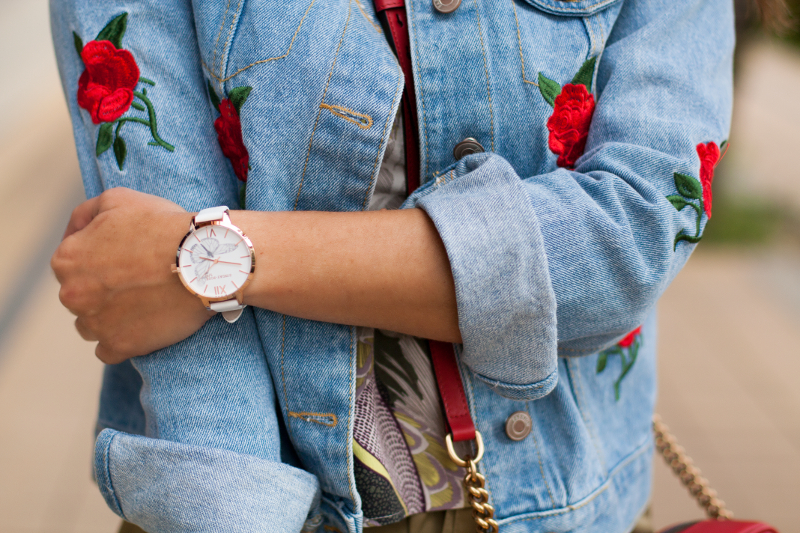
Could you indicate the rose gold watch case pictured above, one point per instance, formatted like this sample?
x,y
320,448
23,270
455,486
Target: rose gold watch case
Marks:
x,y
227,224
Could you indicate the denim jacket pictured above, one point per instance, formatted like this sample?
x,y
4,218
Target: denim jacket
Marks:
x,y
555,257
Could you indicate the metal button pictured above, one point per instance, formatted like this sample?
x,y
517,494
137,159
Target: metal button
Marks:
x,y
446,6
466,147
518,425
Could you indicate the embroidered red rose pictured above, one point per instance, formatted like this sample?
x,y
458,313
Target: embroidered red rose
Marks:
x,y
569,123
628,351
709,157
628,339
105,88
229,133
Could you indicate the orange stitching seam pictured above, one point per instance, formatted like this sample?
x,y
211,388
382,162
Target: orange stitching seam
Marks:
x,y
383,136
519,43
589,499
317,418
226,48
324,93
587,23
219,34
288,50
369,19
361,120
486,70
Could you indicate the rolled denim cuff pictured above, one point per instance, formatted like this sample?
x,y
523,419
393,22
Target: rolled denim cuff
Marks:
x,y
166,487
522,393
506,304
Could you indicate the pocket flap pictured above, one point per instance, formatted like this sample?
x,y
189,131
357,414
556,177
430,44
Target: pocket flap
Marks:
x,y
572,8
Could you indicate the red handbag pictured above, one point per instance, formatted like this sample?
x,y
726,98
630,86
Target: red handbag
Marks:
x,y
719,518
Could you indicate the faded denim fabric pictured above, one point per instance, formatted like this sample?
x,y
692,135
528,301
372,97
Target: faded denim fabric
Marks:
x,y
548,263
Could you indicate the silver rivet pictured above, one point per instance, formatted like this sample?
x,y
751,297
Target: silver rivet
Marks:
x,y
518,425
466,147
446,6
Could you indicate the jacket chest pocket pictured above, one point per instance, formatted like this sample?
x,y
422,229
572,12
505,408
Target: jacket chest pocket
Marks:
x,y
556,37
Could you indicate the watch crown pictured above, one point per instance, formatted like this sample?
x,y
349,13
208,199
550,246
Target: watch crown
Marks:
x,y
174,268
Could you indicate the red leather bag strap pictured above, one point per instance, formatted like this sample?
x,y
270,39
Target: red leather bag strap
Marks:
x,y
451,388
443,356
393,12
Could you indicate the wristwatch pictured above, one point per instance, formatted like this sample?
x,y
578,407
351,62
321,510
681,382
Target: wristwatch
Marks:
x,y
216,261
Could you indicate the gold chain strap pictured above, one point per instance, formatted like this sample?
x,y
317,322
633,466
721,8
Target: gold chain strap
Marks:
x,y
475,483
482,512
689,474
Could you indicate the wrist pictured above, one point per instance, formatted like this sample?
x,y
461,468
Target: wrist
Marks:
x,y
247,222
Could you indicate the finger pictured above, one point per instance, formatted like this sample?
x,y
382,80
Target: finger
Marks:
x,y
82,216
85,333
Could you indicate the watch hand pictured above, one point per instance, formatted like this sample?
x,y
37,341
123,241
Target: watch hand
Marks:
x,y
219,261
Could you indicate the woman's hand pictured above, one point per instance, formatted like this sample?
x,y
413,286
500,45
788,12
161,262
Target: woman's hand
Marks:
x,y
114,268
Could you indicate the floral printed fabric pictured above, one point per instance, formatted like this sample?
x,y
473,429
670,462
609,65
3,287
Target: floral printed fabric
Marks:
x,y
401,463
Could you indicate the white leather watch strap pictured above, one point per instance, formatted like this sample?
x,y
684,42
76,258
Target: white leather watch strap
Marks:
x,y
227,305
211,214
231,309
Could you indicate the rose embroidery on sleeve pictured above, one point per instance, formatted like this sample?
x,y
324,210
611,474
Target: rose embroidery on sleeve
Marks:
x,y
229,132
107,89
697,194
573,107
709,157
628,350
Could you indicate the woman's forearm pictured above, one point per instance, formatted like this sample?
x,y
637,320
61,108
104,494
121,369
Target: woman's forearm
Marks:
x,y
385,269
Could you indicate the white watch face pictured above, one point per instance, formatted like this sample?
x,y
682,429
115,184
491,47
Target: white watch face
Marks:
x,y
215,261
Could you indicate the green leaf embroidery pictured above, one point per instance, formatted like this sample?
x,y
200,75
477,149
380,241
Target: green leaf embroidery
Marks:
x,y
633,353
213,95
677,201
585,74
242,195
78,43
120,151
238,97
688,238
602,360
626,362
549,89
138,106
114,30
688,186
104,138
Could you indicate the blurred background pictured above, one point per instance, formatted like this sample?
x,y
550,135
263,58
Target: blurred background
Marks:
x,y
729,341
